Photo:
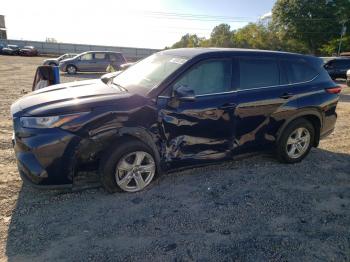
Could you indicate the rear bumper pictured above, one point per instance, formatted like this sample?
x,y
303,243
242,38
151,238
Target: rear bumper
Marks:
x,y
324,135
329,121
45,157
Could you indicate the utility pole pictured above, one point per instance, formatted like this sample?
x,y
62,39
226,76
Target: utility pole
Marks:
x,y
343,31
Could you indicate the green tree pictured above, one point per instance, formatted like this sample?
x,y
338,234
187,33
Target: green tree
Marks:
x,y
221,36
312,22
332,46
188,40
254,36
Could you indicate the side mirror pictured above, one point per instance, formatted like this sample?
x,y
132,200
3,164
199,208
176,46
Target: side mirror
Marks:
x,y
46,76
184,93
107,77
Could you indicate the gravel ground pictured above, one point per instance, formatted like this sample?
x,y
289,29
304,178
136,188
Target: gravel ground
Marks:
x,y
249,209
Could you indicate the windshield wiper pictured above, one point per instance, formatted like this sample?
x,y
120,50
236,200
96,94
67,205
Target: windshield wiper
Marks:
x,y
120,87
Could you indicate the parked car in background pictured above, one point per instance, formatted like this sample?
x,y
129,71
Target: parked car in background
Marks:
x,y
10,50
345,54
348,77
326,59
1,47
28,51
92,61
338,67
177,108
56,61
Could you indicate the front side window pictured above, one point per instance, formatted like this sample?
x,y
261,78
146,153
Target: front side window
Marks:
x,y
258,72
298,71
86,57
209,77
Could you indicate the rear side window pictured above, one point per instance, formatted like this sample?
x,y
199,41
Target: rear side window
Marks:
x,y
100,56
298,71
258,72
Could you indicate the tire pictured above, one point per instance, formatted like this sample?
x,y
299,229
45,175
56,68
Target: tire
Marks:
x,y
290,141
71,69
113,159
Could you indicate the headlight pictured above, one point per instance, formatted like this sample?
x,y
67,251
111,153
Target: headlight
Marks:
x,y
48,121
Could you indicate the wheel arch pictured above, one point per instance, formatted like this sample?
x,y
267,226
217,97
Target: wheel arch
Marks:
x,y
313,116
127,134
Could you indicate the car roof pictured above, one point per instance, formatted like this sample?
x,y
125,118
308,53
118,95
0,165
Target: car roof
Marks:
x,y
101,52
340,59
192,52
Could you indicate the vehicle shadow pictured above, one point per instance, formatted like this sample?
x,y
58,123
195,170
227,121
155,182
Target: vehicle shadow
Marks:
x,y
211,212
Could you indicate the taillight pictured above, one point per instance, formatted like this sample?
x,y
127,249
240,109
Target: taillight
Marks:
x,y
333,90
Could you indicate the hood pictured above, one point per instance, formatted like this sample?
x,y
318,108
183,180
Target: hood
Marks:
x,y
51,60
68,98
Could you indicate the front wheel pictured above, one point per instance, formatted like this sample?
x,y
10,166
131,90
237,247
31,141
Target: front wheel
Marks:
x,y
130,167
296,141
71,69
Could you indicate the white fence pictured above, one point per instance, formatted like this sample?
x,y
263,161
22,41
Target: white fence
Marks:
x,y
130,53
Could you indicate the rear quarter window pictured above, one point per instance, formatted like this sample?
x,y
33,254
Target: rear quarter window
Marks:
x,y
117,58
298,71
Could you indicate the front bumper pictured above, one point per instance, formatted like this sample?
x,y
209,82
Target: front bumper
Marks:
x,y
45,157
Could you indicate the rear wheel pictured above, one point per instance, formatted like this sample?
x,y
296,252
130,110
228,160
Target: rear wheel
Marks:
x,y
130,167
71,69
296,141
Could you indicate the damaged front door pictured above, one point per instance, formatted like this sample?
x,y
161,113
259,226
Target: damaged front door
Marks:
x,y
197,121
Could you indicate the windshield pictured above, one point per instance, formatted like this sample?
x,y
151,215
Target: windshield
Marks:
x,y
149,72
62,57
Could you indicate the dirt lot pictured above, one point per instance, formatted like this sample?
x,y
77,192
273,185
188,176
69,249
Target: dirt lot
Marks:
x,y
252,209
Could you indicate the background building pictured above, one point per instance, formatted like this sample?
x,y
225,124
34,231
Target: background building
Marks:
x,y
266,19
3,34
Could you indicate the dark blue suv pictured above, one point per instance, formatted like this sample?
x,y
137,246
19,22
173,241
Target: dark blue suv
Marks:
x,y
174,109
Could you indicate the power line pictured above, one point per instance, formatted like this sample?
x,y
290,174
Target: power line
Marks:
x,y
205,17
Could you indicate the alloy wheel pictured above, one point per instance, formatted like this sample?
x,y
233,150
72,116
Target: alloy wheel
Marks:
x,y
298,142
135,171
71,70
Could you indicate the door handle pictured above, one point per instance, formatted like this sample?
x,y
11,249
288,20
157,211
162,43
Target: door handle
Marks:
x,y
286,95
228,106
